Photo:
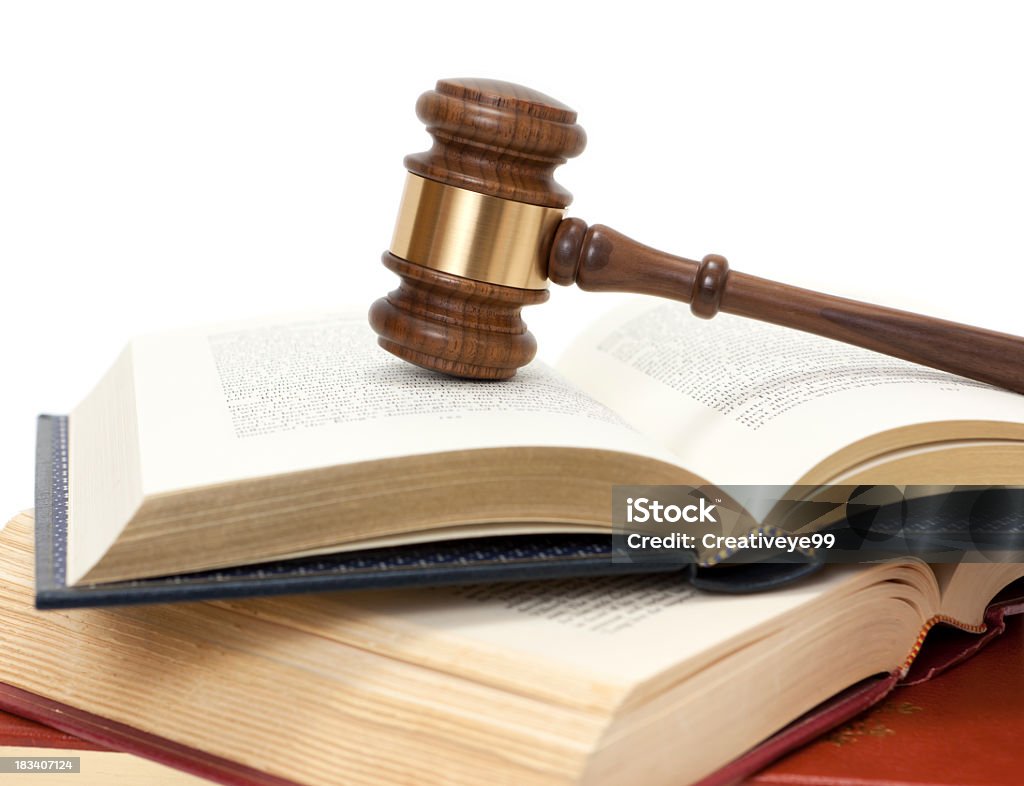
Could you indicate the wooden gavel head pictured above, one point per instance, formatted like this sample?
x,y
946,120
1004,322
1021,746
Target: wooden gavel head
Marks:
x,y
476,226
481,232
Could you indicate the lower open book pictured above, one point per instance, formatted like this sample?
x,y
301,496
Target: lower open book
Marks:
x,y
610,680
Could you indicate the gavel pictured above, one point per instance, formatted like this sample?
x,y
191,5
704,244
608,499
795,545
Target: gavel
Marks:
x,y
481,230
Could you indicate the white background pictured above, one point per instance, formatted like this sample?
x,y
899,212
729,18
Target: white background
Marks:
x,y
173,163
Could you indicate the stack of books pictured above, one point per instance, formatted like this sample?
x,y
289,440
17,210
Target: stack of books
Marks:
x,y
237,469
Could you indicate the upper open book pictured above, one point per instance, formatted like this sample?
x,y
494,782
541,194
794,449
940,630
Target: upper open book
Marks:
x,y
292,436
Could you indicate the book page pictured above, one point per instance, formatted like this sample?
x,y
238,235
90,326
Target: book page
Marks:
x,y
746,402
621,629
292,393
968,587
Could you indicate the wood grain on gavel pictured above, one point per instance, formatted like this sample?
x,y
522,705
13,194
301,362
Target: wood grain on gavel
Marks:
x,y
481,231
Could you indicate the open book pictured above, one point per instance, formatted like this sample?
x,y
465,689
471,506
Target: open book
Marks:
x,y
297,436
611,680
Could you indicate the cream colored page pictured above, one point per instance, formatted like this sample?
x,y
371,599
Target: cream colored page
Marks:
x,y
104,481
620,629
744,402
281,395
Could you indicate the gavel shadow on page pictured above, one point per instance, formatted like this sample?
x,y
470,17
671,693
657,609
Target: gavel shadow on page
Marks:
x,y
481,230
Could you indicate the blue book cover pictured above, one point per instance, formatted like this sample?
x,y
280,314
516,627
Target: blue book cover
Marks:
x,y
466,561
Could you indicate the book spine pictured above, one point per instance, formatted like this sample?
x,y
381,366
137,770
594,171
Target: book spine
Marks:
x,y
938,618
931,661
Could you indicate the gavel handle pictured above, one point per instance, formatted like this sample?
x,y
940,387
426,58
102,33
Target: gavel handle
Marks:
x,y
599,259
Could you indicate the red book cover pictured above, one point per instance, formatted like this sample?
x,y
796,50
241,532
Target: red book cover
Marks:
x,y
962,728
16,732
